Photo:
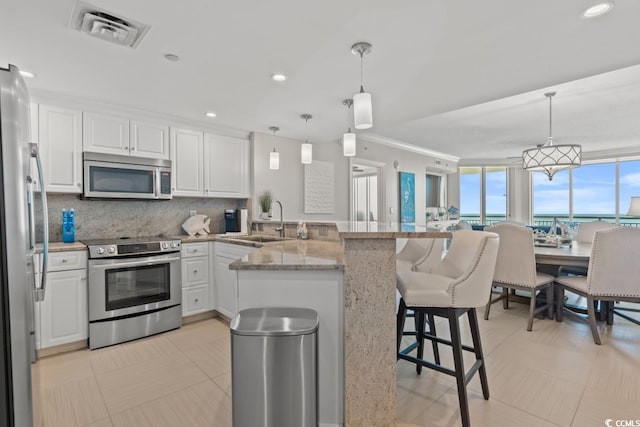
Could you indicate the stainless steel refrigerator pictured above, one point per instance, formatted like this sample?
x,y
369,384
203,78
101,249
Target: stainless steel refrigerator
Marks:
x,y
18,289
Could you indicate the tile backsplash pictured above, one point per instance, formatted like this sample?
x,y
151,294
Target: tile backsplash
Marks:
x,y
97,219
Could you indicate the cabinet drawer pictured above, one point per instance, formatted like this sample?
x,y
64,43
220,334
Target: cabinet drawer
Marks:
x,y
195,271
195,249
61,261
195,299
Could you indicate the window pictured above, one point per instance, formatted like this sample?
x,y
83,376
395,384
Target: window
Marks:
x,y
470,194
550,198
483,194
594,192
593,189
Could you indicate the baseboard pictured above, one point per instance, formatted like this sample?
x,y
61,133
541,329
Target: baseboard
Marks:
x,y
200,317
62,348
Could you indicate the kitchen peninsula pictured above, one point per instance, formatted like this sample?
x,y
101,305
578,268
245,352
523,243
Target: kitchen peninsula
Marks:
x,y
352,285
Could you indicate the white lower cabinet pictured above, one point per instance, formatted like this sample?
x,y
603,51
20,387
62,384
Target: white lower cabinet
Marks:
x,y
63,316
227,280
195,299
196,296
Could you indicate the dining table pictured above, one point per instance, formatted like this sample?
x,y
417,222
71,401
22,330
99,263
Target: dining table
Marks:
x,y
576,254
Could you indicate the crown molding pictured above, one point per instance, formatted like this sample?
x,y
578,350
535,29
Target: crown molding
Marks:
x,y
383,140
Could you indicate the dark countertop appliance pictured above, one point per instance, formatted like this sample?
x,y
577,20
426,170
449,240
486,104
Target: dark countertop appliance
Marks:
x,y
232,221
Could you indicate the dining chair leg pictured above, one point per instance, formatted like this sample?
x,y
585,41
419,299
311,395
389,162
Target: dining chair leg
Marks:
x,y
402,316
610,307
434,344
591,312
477,346
505,301
456,346
559,302
550,301
420,337
532,309
487,308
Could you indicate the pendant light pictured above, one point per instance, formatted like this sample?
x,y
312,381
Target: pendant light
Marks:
x,y
362,109
349,138
306,150
550,158
274,156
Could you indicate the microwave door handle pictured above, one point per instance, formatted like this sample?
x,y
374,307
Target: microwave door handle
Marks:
x,y
40,290
156,180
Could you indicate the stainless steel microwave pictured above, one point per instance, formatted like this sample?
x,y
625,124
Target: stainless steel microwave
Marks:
x,y
125,177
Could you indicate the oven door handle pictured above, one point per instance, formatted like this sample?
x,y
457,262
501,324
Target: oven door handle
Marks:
x,y
117,264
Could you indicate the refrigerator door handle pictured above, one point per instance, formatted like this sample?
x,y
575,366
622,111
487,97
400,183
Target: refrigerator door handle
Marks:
x,y
39,291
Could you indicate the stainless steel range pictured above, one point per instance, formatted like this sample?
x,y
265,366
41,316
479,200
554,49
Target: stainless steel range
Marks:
x,y
134,289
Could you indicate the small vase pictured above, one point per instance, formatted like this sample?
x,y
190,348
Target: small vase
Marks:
x,y
264,216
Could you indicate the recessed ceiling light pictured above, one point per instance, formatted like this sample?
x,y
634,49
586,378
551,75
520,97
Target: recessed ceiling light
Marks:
x,y
598,9
172,57
278,77
27,74
211,114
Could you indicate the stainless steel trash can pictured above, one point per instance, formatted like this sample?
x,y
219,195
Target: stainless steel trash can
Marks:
x,y
274,367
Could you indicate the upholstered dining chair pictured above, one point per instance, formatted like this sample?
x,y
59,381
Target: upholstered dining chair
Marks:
x,y
454,287
516,269
613,274
586,231
420,254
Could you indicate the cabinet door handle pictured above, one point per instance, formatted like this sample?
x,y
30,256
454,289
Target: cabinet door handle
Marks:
x,y
133,148
125,148
64,260
195,271
196,300
79,185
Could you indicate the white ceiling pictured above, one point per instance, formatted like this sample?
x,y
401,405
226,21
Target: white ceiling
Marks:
x,y
464,78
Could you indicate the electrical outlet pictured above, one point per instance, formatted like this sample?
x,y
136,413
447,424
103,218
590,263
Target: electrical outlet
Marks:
x,y
193,212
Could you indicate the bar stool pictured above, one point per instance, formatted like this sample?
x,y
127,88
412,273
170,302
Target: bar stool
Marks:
x,y
456,286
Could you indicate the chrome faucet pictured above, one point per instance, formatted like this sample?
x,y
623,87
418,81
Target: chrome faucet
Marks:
x,y
281,228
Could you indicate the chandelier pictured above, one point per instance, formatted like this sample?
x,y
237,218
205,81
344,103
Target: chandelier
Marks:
x,y
550,158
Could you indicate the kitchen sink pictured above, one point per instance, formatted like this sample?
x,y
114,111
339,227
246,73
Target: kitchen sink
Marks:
x,y
261,239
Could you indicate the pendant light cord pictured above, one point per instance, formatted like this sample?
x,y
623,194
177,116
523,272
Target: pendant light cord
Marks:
x,y
361,72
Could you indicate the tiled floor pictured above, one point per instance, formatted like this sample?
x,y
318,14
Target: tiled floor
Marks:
x,y
554,375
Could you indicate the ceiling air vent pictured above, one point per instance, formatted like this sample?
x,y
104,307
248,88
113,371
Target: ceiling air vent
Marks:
x,y
106,26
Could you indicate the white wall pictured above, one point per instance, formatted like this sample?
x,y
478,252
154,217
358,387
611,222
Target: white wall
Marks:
x,y
287,183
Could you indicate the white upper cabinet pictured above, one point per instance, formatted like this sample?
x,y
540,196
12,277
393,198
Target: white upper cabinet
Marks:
x,y
102,133
149,139
187,147
226,171
60,140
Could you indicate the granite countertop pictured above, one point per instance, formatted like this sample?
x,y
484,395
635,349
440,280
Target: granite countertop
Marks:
x,y
62,247
386,230
293,255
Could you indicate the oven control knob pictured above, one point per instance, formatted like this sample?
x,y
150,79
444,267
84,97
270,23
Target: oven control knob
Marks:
x,y
100,251
111,249
165,245
174,245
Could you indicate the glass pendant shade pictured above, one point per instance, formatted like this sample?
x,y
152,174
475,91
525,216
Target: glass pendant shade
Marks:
x,y
274,160
349,144
362,110
306,153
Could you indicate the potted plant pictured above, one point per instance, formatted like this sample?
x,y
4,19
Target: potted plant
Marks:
x,y
265,200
